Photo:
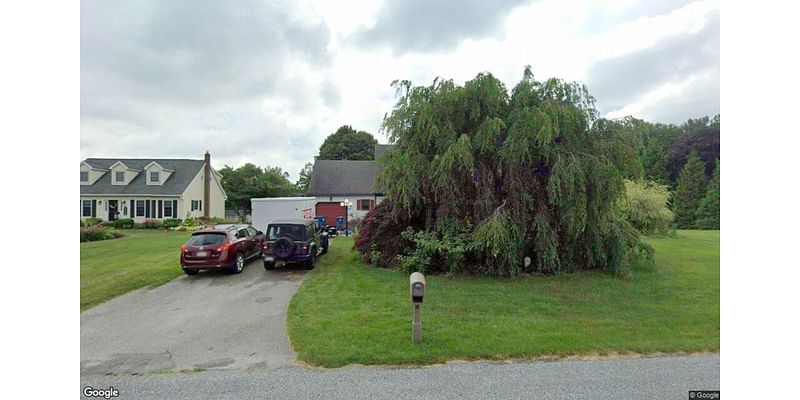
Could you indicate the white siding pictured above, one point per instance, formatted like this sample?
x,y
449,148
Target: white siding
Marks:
x,y
195,192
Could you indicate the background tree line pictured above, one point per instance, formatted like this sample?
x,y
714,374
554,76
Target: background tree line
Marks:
x,y
681,159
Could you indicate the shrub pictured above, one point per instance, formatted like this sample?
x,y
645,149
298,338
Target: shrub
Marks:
x,y
152,224
171,222
213,221
92,221
379,236
644,206
94,233
434,251
355,224
123,223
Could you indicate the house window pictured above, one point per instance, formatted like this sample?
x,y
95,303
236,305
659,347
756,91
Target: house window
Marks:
x,y
363,205
139,207
154,176
84,176
86,209
119,176
197,205
167,209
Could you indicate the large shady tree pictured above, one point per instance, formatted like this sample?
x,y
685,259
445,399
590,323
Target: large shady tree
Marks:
x,y
501,177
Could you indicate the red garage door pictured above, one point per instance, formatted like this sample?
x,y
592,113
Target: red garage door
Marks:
x,y
330,211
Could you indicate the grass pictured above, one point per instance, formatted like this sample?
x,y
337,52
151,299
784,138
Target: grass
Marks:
x,y
110,268
347,312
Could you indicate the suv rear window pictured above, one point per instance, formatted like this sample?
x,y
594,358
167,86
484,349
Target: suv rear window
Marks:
x,y
296,232
206,239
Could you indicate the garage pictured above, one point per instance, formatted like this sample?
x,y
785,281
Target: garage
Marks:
x,y
330,211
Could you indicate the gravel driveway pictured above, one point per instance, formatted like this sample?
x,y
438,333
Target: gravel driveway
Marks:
x,y
210,320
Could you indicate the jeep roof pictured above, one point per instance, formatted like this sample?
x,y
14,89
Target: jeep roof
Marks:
x,y
293,221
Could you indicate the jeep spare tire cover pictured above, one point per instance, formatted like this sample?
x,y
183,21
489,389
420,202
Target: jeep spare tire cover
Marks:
x,y
284,247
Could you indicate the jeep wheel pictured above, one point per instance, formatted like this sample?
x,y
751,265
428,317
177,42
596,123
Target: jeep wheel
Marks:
x,y
311,261
269,265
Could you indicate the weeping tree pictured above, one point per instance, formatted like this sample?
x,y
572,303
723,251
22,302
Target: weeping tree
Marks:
x,y
481,179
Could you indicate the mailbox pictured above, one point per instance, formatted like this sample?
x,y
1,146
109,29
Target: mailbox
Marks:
x,y
417,287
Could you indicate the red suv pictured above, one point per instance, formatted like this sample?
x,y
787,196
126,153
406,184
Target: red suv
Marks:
x,y
225,247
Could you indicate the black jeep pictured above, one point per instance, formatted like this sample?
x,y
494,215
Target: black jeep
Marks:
x,y
293,241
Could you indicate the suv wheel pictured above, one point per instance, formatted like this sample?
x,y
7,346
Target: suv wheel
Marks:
x,y
238,266
269,265
188,271
312,261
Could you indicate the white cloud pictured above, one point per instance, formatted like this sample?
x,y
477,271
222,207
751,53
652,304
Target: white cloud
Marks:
x,y
267,83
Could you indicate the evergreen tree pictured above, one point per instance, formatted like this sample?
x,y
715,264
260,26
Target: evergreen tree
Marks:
x,y
690,191
708,212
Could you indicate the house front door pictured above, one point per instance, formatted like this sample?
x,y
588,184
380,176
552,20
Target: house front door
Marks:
x,y
112,210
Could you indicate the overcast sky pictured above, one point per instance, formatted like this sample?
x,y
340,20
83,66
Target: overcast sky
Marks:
x,y
267,81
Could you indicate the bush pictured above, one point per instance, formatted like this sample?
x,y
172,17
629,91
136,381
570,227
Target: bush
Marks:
x,y
152,224
94,233
435,251
91,221
171,222
645,207
213,221
379,237
123,223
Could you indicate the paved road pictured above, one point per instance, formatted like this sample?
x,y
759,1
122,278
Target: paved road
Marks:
x,y
210,320
633,378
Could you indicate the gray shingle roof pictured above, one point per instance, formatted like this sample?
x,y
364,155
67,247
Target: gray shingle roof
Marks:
x,y
343,177
380,149
178,181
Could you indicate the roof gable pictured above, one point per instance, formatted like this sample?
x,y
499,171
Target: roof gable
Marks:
x,y
184,172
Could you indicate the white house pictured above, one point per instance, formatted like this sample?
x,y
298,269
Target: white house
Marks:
x,y
333,181
143,189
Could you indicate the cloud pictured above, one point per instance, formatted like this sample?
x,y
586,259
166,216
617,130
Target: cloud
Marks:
x,y
428,26
266,82
174,78
661,71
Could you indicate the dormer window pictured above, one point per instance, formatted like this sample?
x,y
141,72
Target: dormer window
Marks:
x,y
119,176
154,176
84,176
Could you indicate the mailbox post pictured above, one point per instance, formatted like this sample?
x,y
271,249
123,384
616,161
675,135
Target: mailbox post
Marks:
x,y
417,296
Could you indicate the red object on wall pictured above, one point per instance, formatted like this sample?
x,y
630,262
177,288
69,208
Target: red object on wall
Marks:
x,y
330,211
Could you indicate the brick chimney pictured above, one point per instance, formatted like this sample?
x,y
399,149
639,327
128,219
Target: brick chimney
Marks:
x,y
207,185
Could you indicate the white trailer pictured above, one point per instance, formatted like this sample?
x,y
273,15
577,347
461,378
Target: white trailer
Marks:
x,y
266,210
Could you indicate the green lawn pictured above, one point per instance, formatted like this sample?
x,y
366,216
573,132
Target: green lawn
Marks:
x,y
347,312
110,268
